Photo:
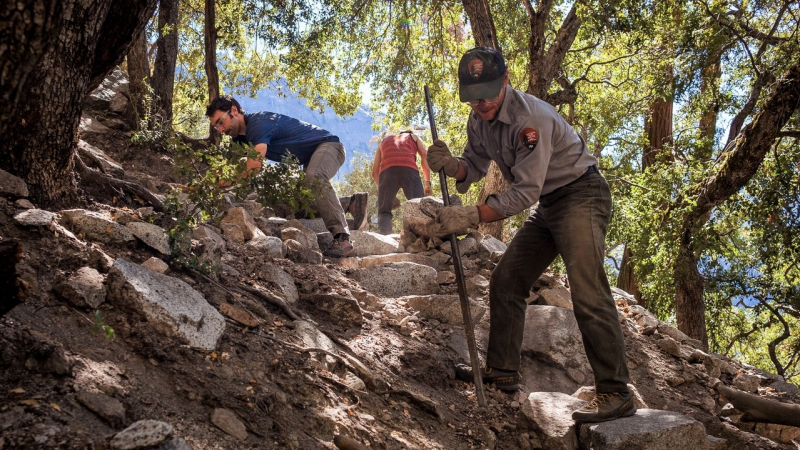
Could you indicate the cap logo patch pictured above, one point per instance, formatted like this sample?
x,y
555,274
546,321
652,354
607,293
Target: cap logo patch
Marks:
x,y
475,68
529,137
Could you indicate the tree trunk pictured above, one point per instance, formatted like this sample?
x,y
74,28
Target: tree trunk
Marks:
x,y
745,158
139,76
212,76
27,30
709,90
626,280
163,81
482,24
658,126
690,309
40,145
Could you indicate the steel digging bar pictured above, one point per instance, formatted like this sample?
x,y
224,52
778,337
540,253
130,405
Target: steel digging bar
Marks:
x,y
460,282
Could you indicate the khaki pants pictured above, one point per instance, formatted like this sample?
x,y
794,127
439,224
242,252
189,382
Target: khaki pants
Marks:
x,y
324,163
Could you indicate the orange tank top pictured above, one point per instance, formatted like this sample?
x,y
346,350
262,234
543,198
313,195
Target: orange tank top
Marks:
x,y
398,150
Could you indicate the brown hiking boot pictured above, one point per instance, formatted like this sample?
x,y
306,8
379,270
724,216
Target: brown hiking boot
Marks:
x,y
358,208
507,381
340,248
605,407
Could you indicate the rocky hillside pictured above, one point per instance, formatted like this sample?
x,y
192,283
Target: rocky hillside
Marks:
x,y
106,343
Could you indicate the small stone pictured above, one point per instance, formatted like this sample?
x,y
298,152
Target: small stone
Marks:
x,y
227,421
238,315
156,265
108,408
24,203
142,434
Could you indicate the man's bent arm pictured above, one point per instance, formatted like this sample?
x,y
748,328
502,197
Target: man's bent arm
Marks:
x,y
423,153
376,165
253,166
487,214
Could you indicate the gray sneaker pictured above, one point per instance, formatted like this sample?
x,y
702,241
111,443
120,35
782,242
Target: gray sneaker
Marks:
x,y
605,407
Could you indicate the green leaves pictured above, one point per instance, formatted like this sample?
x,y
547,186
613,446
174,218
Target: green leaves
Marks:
x,y
99,326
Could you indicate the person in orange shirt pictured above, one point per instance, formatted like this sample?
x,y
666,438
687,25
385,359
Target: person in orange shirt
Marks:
x,y
395,167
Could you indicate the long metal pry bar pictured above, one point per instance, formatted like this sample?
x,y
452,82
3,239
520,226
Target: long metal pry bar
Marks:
x,y
469,330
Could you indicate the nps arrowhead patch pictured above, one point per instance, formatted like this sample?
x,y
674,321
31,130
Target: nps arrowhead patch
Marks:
x,y
529,137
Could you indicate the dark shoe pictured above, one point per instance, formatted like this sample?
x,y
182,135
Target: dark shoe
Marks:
x,y
340,248
358,208
605,407
504,380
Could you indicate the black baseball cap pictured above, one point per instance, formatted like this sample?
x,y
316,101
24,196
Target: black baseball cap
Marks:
x,y
480,74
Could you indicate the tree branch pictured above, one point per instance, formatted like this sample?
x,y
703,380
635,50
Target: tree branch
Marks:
x,y
757,409
749,148
794,134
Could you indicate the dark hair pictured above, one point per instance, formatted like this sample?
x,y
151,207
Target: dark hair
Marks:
x,y
222,103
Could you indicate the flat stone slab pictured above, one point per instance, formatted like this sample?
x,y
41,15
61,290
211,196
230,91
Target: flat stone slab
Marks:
x,y
398,279
95,226
36,218
648,429
152,235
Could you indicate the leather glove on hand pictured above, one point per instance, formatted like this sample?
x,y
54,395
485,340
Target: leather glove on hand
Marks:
x,y
439,157
457,219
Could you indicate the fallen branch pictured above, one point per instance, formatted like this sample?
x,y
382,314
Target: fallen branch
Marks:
x,y
758,409
89,174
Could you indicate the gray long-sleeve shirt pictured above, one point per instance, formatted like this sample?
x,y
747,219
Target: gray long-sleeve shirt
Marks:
x,y
536,150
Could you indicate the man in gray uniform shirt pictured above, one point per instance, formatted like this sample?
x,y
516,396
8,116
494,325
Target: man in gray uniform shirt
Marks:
x,y
544,160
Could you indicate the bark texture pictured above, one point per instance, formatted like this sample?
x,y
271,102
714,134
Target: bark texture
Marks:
x,y
27,30
626,279
39,145
482,23
139,75
211,60
163,80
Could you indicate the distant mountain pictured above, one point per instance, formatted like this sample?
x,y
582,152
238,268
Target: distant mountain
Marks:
x,y
355,131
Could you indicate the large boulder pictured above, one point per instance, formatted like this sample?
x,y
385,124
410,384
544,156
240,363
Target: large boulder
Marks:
x,y
170,305
551,334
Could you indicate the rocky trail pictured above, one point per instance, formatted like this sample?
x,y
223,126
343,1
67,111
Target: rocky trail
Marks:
x,y
106,343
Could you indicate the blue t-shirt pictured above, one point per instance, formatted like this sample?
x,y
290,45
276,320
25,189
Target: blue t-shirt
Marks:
x,y
283,134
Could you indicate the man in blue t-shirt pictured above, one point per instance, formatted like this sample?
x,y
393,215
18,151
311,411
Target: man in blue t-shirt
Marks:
x,y
275,135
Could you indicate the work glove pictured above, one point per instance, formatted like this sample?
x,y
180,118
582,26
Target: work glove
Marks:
x,y
456,220
428,190
439,157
